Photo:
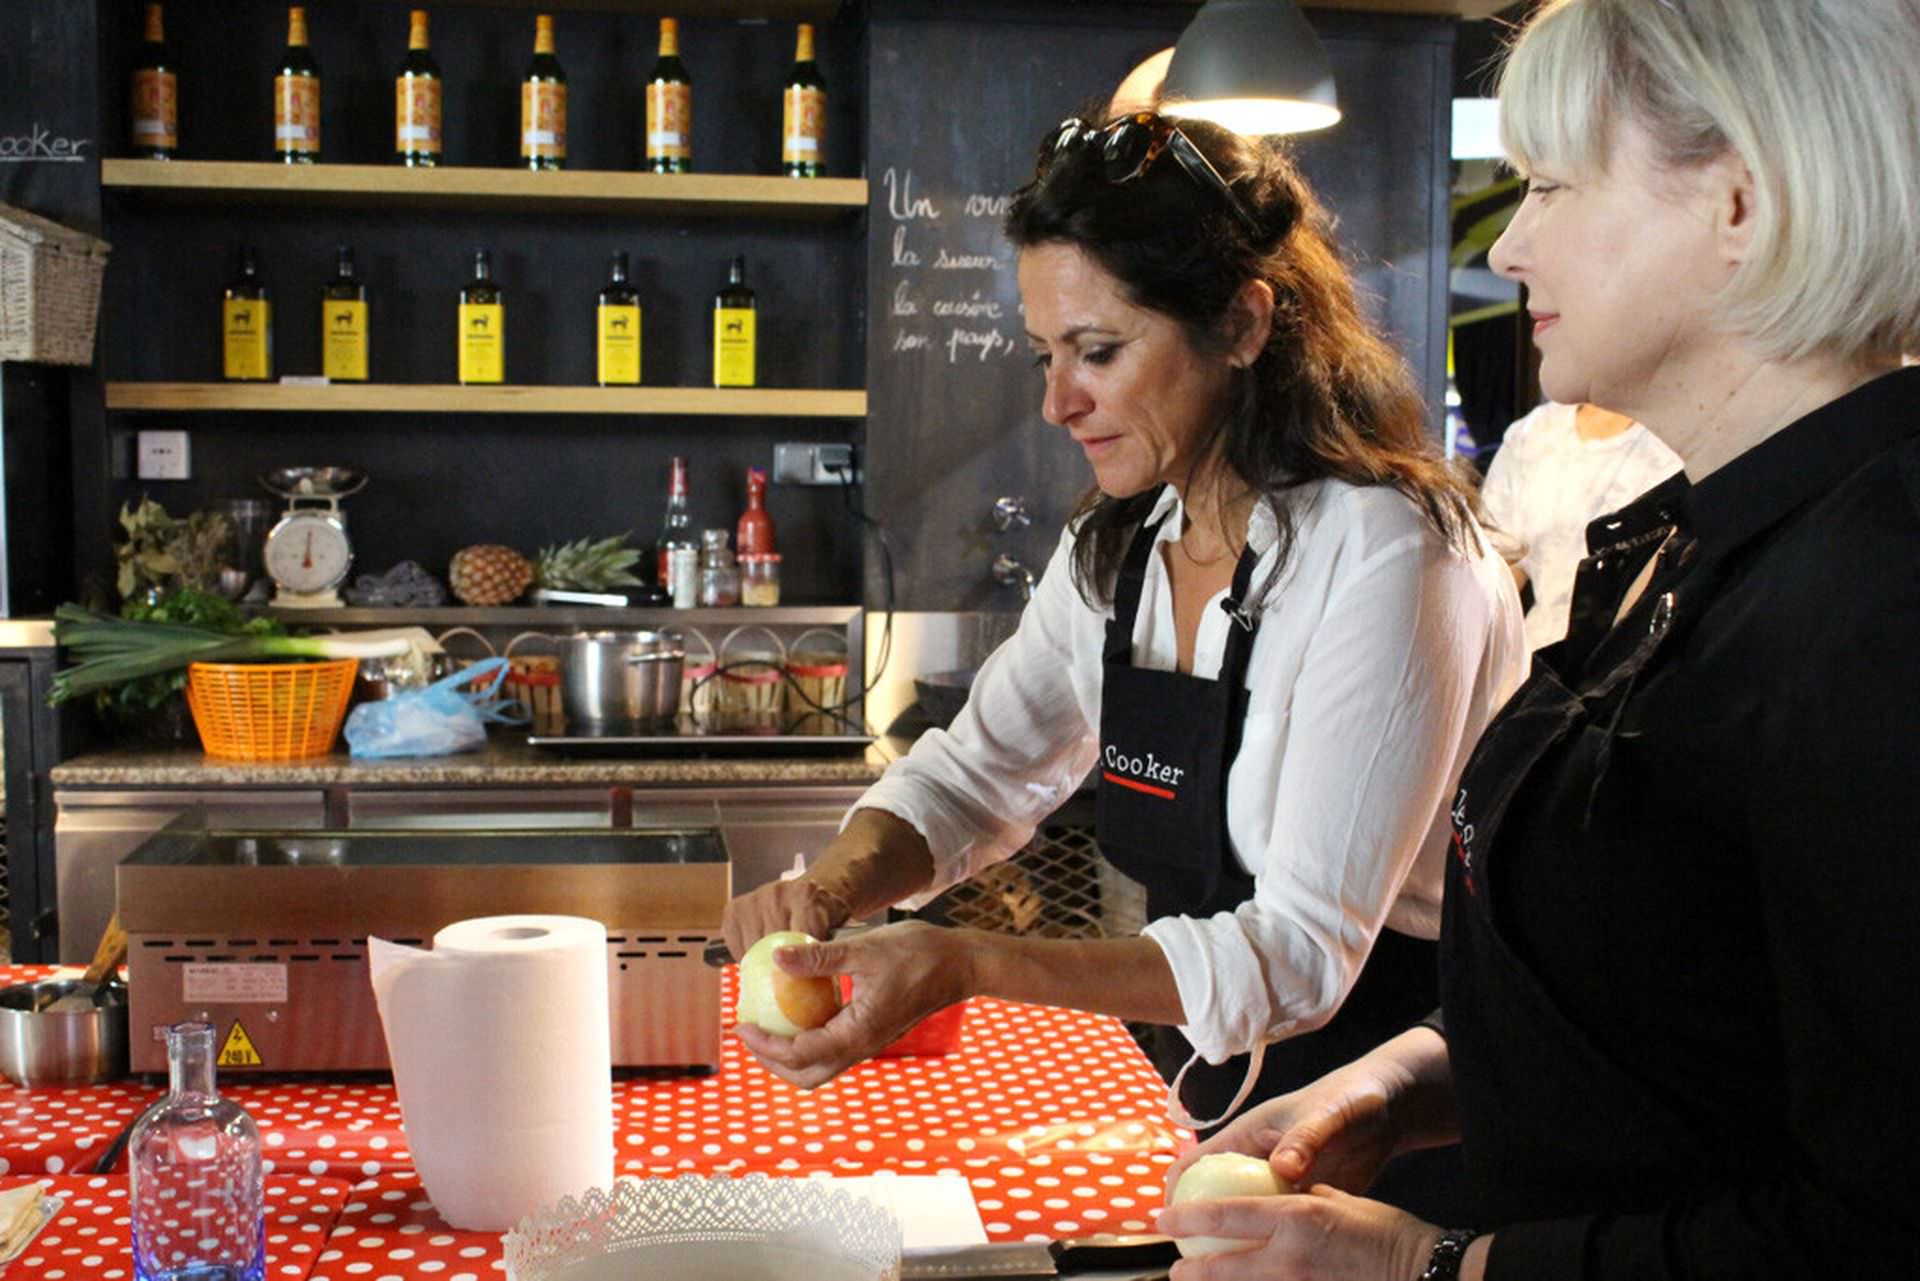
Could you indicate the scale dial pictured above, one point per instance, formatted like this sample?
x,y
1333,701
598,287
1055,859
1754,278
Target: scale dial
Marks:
x,y
308,553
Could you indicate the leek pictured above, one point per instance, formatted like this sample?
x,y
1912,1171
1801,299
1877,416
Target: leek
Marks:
x,y
114,650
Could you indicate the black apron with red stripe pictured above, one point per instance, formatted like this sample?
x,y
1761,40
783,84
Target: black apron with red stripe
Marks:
x,y
1167,742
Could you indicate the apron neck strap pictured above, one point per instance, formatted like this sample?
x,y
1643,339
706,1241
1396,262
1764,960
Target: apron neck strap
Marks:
x,y
1126,593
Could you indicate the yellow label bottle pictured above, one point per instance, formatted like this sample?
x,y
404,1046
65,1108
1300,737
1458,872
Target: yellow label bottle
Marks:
x,y
543,103
343,324
733,330
618,344
246,326
483,318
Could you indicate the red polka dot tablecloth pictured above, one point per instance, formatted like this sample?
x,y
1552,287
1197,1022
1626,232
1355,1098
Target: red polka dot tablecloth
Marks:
x,y
89,1239
1055,1118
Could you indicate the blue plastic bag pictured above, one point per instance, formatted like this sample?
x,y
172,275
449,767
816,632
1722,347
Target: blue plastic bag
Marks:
x,y
451,715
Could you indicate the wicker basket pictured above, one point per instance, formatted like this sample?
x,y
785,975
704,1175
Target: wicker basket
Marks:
x,y
270,711
49,289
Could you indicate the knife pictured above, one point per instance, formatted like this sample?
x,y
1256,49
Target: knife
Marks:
x,y
1144,1255
716,954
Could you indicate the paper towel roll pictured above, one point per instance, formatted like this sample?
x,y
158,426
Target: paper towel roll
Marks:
x,y
503,1063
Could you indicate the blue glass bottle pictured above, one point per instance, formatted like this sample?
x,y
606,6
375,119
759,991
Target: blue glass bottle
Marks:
x,y
199,1197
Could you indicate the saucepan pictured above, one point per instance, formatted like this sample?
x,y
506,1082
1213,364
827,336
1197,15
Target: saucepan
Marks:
x,y
63,1032
611,676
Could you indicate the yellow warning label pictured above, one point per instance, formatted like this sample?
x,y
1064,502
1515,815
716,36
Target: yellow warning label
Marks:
x,y
239,1051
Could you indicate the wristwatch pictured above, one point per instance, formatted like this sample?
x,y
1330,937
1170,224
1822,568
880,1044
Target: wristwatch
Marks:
x,y
1444,1263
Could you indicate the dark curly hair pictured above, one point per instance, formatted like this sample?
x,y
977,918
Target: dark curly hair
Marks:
x,y
1327,397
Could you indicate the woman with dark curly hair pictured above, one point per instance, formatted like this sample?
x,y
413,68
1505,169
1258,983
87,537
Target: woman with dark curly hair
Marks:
x,y
1271,629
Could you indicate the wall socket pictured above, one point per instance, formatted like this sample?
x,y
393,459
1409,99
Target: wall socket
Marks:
x,y
162,455
814,464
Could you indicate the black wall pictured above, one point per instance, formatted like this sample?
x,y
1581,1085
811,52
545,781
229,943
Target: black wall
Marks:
x,y
960,97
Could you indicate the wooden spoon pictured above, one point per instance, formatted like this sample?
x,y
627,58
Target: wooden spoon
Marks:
x,y
106,959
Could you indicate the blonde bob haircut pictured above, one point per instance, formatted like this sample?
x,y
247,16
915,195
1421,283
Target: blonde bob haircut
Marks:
x,y
1821,101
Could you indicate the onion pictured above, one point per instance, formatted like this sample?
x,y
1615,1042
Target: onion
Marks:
x,y
1223,1174
778,1002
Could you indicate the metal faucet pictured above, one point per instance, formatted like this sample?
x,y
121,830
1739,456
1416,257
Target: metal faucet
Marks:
x,y
1008,571
1009,512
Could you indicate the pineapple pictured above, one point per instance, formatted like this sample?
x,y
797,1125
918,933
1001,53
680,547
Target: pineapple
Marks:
x,y
488,574
588,565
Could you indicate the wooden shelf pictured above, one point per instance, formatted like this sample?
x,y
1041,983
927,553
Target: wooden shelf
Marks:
x,y
535,617
437,398
387,186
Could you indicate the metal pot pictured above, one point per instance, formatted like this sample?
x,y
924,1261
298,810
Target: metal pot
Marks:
x,y
62,1046
621,676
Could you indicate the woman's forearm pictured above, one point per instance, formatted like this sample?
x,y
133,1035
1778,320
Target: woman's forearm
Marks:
x,y
1128,978
877,859
1420,1089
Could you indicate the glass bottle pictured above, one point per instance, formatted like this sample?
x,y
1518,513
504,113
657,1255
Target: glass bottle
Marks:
x,y
246,325
676,530
543,103
156,94
719,577
754,532
669,141
344,335
618,311
483,320
199,1196
733,329
296,97
803,112
417,99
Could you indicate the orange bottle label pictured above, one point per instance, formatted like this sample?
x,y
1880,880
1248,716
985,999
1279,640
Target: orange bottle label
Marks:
x,y
416,115
155,109
669,122
803,132
296,114
543,120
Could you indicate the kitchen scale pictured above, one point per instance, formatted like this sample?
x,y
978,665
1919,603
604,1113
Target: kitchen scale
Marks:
x,y
308,554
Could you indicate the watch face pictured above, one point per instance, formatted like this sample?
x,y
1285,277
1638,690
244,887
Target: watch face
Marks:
x,y
308,552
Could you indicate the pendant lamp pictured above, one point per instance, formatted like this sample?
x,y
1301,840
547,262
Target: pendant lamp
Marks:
x,y
1254,66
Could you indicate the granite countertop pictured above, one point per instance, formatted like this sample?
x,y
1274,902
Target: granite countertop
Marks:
x,y
505,761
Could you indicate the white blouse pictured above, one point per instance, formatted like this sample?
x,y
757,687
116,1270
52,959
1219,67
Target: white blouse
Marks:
x,y
1380,656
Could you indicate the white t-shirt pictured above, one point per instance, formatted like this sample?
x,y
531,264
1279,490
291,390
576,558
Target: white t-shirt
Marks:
x,y
1381,654
1546,485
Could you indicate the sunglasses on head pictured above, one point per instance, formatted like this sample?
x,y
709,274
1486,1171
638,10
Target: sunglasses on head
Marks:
x,y
1130,145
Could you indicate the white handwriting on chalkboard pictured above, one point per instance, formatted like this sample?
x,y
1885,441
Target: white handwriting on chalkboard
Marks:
x,y
38,144
911,342
987,340
902,204
979,206
968,307
903,256
945,261
903,305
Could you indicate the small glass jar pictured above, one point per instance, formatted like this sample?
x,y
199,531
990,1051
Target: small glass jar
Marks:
x,y
760,578
683,572
719,577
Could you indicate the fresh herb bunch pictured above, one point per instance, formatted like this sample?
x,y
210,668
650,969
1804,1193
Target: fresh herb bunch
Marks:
x,y
164,552
139,697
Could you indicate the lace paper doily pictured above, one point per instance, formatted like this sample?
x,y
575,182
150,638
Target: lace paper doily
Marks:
x,y
698,1229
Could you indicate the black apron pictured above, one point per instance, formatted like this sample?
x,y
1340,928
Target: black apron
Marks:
x,y
1512,1050
1167,741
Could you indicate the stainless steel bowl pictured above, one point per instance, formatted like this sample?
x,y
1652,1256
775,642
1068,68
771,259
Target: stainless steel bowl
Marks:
x,y
621,676
62,1046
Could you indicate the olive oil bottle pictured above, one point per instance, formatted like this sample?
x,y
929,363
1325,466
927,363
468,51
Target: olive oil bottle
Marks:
x,y
543,103
344,339
483,317
416,100
619,328
803,112
156,94
733,330
296,97
669,144
246,322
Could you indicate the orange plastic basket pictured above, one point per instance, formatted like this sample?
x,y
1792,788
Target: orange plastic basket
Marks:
x,y
270,711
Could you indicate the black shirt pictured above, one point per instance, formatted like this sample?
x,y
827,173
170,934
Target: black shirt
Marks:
x,y
1733,922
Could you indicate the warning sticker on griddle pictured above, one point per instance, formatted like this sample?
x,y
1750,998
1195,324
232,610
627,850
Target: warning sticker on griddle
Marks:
x,y
235,984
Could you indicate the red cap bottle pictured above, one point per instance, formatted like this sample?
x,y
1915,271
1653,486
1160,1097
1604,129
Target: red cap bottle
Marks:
x,y
754,534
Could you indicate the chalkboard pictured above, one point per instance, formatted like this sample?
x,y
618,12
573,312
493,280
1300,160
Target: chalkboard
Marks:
x,y
957,107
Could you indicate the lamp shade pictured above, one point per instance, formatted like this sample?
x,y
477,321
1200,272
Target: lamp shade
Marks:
x,y
1254,66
